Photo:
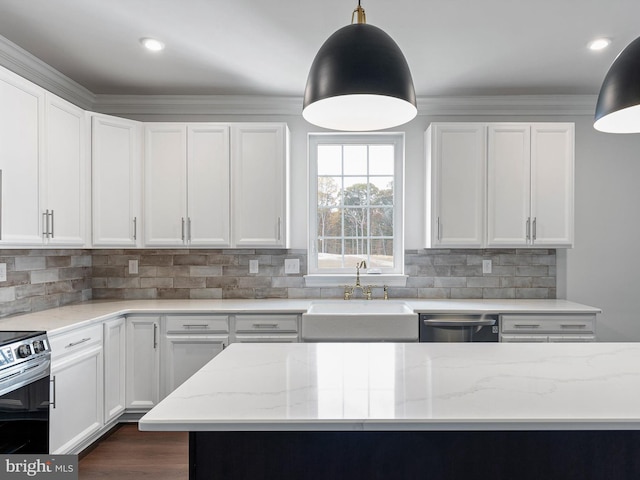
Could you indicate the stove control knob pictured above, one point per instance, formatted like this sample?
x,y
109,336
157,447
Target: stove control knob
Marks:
x,y
23,351
38,346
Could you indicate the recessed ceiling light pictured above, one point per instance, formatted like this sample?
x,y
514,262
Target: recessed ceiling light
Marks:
x,y
152,44
599,44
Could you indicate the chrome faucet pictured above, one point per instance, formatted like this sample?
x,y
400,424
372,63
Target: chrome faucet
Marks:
x,y
349,290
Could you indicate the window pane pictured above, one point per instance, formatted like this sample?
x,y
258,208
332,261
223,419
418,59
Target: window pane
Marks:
x,y
355,160
329,159
381,159
355,222
381,253
356,191
329,222
381,222
329,191
381,191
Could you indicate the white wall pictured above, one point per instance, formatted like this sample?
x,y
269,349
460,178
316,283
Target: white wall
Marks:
x,y
603,269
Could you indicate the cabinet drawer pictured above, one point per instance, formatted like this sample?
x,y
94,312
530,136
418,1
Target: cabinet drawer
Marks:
x,y
75,340
193,324
552,323
266,323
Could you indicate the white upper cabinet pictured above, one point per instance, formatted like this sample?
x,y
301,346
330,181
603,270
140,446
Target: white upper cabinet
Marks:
x,y
21,134
65,176
552,184
187,185
530,189
165,184
116,159
208,185
215,185
456,179
509,163
259,184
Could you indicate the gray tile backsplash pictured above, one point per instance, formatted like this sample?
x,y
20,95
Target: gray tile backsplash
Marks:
x,y
40,279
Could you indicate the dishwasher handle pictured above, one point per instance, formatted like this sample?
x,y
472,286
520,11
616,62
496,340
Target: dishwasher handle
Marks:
x,y
455,321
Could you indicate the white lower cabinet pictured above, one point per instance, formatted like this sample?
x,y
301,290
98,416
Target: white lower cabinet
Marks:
x,y
143,362
265,328
77,388
115,335
190,342
548,328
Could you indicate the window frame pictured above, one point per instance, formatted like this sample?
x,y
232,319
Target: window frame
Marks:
x,y
397,139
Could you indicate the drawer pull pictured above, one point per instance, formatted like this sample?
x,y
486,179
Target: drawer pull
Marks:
x,y
265,325
193,325
73,344
517,325
573,325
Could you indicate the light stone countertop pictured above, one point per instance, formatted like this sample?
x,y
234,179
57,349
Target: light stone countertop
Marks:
x,y
58,320
408,386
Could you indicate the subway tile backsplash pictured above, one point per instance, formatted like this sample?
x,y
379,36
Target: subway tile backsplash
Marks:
x,y
41,279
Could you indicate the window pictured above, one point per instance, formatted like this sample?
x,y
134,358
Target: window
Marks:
x,y
355,202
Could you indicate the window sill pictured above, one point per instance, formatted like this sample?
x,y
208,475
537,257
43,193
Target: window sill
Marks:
x,y
335,280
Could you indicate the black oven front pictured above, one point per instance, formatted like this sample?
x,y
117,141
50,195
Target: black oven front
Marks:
x,y
25,363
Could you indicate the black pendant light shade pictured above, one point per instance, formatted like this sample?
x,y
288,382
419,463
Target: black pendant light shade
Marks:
x,y
359,81
618,107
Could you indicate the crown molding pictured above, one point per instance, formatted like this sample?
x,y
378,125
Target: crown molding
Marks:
x,y
197,105
35,70
547,105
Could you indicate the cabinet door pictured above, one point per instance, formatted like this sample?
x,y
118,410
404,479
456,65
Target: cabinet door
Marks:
x,y
114,368
185,355
259,181
208,185
165,183
456,165
115,178
509,155
76,404
552,165
21,126
65,175
143,361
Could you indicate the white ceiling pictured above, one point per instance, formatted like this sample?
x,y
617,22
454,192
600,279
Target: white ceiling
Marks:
x,y
265,47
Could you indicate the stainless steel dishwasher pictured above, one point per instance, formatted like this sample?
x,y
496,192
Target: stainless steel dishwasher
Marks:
x,y
459,328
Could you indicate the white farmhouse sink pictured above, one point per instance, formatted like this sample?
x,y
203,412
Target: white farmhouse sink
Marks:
x,y
359,321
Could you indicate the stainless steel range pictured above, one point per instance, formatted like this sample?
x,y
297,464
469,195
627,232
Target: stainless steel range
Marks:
x,y
25,363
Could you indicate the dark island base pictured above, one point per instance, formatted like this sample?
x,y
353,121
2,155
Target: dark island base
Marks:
x,y
535,455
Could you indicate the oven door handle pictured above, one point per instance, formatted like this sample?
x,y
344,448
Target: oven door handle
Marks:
x,y
442,322
22,375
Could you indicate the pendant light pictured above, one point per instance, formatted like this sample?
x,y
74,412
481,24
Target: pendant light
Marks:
x,y
359,81
618,107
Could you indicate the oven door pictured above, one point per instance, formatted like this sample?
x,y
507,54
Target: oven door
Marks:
x,y
24,408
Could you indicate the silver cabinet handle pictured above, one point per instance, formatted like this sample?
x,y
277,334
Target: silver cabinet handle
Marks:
x,y
567,325
265,325
53,394
73,344
193,325
155,336
439,229
189,228
45,224
0,204
279,228
535,229
135,228
527,326
183,229
52,236
528,228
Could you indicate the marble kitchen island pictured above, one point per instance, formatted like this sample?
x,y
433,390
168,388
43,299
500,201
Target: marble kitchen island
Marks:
x,y
394,410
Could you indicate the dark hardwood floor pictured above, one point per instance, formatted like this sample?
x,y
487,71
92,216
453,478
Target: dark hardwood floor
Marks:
x,y
128,454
